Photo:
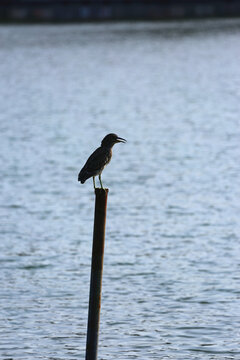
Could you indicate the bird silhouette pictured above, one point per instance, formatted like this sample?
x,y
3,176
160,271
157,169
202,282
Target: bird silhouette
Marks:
x,y
99,159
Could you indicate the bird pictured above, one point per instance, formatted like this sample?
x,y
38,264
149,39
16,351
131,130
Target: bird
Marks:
x,y
99,159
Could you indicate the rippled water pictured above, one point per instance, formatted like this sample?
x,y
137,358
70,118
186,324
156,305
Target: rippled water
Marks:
x,y
171,267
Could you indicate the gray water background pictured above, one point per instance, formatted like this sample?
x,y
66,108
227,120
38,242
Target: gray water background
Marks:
x,y
171,267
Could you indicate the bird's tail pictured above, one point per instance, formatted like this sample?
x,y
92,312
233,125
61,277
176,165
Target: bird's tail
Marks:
x,y
81,177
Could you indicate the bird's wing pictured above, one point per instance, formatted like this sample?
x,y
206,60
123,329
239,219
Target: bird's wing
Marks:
x,y
97,160
95,164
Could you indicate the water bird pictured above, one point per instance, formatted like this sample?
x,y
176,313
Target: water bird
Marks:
x,y
99,159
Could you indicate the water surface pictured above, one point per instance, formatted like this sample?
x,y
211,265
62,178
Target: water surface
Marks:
x,y
171,268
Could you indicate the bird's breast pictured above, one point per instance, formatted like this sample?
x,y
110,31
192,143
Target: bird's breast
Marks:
x,y
108,156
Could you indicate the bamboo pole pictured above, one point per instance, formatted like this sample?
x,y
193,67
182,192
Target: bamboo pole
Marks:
x,y
96,273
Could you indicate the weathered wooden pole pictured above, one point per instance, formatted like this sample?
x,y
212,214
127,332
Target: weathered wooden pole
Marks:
x,y
96,273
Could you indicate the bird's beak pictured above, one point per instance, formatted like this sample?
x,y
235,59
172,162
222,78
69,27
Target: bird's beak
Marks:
x,y
119,139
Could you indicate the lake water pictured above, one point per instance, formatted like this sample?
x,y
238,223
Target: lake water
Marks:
x,y
171,282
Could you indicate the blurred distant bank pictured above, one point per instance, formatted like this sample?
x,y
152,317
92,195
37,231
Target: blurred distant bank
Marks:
x,y
87,10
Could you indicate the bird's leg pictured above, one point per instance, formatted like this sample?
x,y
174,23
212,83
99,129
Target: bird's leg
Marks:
x,y
94,182
100,180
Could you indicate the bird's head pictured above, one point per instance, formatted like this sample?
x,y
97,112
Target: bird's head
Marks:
x,y
111,139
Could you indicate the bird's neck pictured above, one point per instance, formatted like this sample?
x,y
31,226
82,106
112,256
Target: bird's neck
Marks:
x,y
108,147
